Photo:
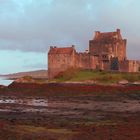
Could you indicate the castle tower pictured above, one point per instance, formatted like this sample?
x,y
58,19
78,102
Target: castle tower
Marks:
x,y
60,59
106,46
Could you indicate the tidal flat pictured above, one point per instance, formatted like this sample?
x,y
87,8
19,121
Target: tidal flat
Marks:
x,y
69,112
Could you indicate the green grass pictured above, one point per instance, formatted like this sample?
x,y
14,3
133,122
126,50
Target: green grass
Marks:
x,y
99,76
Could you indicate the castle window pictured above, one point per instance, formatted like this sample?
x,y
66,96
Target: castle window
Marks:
x,y
104,56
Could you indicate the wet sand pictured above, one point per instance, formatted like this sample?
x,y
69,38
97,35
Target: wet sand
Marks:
x,y
90,115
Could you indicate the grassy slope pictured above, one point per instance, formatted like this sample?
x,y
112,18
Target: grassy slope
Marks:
x,y
103,77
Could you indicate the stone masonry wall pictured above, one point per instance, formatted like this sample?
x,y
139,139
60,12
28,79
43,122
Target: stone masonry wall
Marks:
x,y
128,66
83,60
59,63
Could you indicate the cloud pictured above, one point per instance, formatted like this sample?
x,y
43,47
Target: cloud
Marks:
x,y
34,25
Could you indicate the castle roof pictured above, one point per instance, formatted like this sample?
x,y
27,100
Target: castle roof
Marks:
x,y
107,35
66,50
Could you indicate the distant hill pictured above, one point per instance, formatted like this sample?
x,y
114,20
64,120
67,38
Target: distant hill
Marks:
x,y
34,74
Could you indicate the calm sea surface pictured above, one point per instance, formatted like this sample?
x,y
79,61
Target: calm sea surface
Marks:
x,y
4,81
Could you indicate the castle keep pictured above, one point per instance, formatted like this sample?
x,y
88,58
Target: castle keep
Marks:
x,y
107,51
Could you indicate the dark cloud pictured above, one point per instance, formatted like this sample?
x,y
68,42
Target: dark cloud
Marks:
x,y
34,25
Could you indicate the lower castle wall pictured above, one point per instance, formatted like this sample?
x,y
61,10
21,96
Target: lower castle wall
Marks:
x,y
60,63
83,60
128,66
106,66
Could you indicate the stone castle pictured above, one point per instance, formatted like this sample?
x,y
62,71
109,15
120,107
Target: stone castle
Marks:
x,y
107,51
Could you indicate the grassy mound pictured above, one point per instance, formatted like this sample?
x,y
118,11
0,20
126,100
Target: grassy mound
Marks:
x,y
73,75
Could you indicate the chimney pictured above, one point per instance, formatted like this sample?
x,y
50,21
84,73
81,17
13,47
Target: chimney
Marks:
x,y
118,31
73,46
86,51
97,34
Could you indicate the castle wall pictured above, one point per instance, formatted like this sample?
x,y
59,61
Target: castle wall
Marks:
x,y
105,65
121,50
83,60
111,49
60,62
128,66
93,62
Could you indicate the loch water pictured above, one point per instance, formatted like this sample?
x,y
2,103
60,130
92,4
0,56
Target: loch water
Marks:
x,y
5,82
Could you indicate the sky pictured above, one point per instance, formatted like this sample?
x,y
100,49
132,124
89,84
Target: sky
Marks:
x,y
29,27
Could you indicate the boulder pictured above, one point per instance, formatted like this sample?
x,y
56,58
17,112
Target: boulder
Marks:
x,y
136,83
123,82
26,79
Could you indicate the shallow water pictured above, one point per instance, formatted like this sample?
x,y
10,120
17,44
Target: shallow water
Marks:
x,y
5,82
29,102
